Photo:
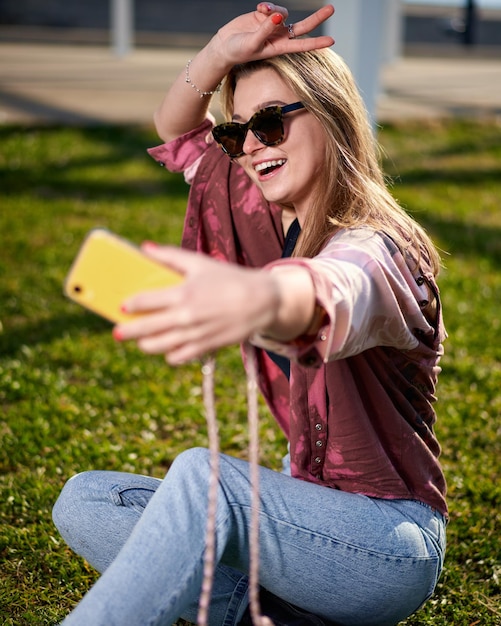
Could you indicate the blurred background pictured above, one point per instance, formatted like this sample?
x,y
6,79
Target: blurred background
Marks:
x,y
73,62
165,22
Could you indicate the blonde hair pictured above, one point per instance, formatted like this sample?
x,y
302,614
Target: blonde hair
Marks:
x,y
351,189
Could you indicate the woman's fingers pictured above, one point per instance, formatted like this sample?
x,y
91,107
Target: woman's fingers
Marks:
x,y
274,37
182,344
303,27
313,21
264,33
268,8
182,261
181,333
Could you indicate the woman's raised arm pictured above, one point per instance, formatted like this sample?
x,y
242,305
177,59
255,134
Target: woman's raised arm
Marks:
x,y
252,36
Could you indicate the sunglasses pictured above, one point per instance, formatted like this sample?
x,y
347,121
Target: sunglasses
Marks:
x,y
267,125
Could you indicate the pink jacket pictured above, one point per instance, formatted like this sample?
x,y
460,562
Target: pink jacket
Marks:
x,y
358,409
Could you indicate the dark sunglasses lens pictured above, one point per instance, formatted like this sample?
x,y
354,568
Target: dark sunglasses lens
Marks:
x,y
268,127
231,137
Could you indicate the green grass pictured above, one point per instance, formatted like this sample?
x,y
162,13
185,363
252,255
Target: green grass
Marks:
x,y
72,399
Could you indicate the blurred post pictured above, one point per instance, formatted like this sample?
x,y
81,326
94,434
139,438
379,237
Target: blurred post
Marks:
x,y
367,33
470,23
393,31
122,26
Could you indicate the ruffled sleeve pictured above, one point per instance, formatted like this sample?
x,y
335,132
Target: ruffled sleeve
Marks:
x,y
184,152
366,296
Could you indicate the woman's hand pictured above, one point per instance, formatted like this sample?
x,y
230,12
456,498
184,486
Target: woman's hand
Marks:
x,y
218,304
263,34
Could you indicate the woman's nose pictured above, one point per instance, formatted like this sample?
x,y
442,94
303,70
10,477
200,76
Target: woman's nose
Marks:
x,y
251,143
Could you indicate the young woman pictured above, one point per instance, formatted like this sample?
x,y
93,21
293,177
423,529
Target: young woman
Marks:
x,y
347,333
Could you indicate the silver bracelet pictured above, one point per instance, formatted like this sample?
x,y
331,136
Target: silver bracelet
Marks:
x,y
193,86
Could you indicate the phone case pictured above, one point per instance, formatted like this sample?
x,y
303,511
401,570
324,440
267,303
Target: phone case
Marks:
x,y
109,269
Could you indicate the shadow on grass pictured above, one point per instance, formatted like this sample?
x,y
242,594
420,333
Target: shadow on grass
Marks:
x,y
457,177
58,175
465,240
43,331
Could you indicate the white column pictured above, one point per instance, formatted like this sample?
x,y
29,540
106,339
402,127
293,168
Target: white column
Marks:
x,y
122,26
365,33
394,31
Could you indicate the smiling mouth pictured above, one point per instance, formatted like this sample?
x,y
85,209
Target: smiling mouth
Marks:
x,y
267,167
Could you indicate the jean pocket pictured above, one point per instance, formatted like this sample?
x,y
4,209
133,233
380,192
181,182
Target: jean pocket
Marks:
x,y
132,497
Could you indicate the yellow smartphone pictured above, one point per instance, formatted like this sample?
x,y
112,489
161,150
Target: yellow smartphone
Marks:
x,y
108,269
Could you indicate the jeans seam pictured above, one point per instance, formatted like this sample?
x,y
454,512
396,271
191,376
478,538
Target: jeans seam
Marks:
x,y
351,546
233,609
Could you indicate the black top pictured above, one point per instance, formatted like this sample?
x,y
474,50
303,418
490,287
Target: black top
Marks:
x,y
289,245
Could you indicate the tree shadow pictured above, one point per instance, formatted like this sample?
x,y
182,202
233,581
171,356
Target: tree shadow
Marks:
x,y
458,177
35,332
471,241
59,177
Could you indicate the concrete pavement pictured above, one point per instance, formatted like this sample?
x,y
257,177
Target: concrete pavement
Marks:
x,y
72,84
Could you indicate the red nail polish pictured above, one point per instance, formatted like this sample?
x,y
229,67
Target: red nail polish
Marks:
x,y
276,19
117,334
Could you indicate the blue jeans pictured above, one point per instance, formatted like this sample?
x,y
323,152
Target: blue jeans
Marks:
x,y
346,557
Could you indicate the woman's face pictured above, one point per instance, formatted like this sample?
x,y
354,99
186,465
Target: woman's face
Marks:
x,y
286,173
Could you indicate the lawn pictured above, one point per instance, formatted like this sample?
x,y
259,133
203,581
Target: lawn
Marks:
x,y
72,399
